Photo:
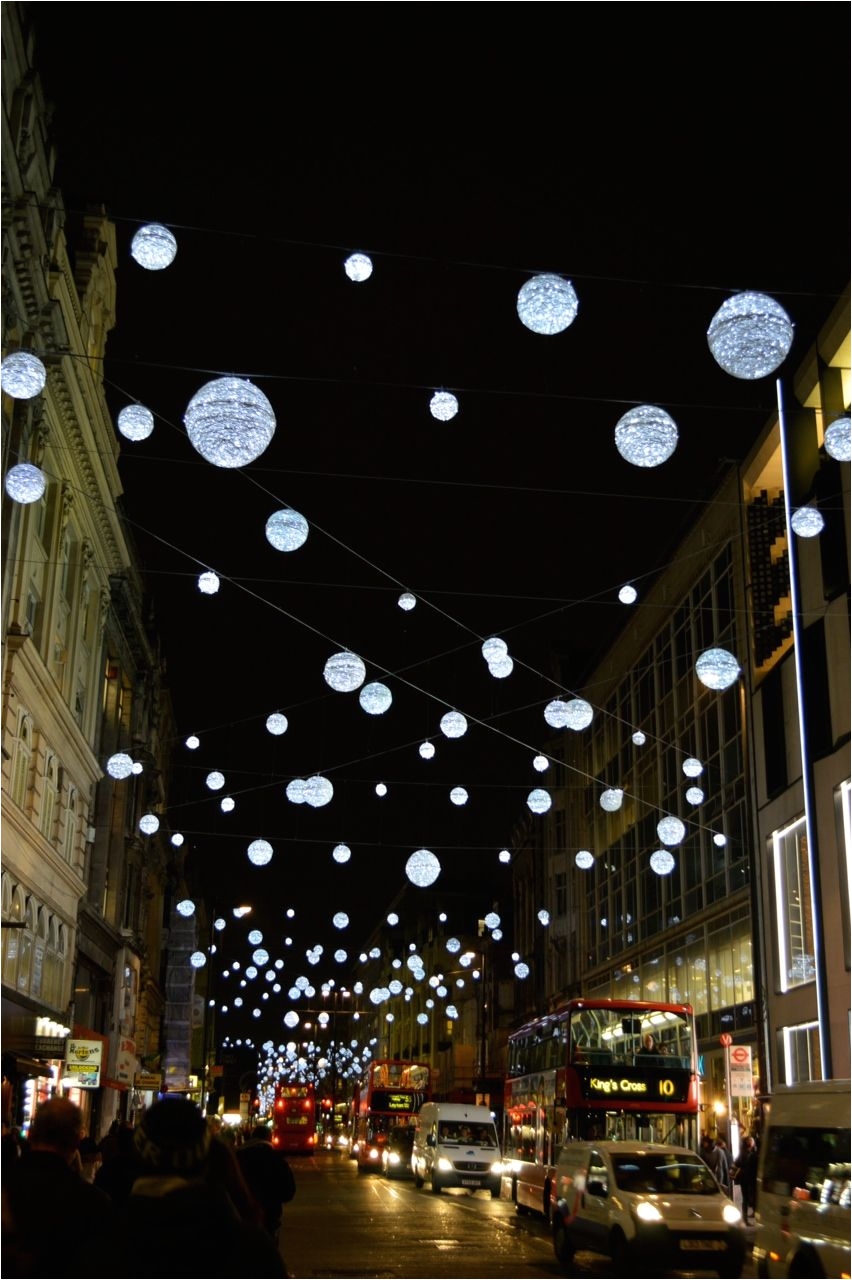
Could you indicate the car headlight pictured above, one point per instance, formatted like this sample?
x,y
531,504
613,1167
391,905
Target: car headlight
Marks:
x,y
732,1214
444,1164
497,1168
393,1158
373,1153
648,1212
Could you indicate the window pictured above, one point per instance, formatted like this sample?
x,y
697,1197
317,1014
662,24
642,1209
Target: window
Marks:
x,y
49,798
799,1053
794,922
23,761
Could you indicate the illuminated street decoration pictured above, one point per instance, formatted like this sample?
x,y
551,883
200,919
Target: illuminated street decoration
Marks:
x,y
22,375
627,594
215,780
838,439
692,768
208,583
611,799
276,723
547,303
358,267
230,422
25,483
717,669
259,852
578,714
662,862
318,791
539,801
501,666
646,436
427,750
443,406
153,247
344,672
407,601
584,859
671,830
423,868
341,853
453,724
695,795
458,796
186,907
135,422
149,823
375,698
750,335
119,765
286,530
807,522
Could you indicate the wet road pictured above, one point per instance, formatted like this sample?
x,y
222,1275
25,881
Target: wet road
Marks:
x,y
342,1224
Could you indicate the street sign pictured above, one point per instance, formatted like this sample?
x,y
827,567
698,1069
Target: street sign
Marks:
x,y
726,1040
740,1056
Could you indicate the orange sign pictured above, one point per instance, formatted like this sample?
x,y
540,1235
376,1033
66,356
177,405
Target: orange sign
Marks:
x,y
726,1040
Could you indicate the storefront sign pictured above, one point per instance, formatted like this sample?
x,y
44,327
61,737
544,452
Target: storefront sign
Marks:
x,y
83,1060
148,1080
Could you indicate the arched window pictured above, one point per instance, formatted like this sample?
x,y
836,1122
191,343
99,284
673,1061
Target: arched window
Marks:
x,y
49,797
39,952
14,907
26,946
72,825
54,964
23,761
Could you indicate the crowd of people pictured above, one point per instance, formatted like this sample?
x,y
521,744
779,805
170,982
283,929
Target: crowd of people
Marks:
x,y
731,1171
168,1197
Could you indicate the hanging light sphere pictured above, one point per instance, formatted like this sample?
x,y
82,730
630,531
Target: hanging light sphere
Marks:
x,y
522,970
720,840
296,791
662,862
501,666
717,669
453,724
177,839
135,422
259,852
318,791
149,823
407,601
695,795
286,530
25,483
544,916
153,247
381,789
556,714
611,799
838,440
119,765
504,856
193,742
584,859
229,422
453,945
186,907
291,1018
492,920
646,436
639,738
671,830
137,767
458,795
22,375
692,768
547,303
427,750
228,804
340,920
255,937
341,853
208,583
423,868
358,267
807,522
578,714
493,648
344,672
276,723
198,959
538,801
341,956
375,698
215,780
627,594
443,406
540,763
750,335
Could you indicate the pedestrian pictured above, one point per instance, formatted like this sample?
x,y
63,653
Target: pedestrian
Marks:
x,y
705,1149
189,1212
55,1223
720,1163
744,1174
269,1176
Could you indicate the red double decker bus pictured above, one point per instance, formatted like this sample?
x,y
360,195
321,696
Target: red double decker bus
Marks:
x,y
596,1068
390,1094
294,1118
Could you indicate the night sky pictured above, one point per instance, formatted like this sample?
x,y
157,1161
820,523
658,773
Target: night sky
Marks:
x,y
659,168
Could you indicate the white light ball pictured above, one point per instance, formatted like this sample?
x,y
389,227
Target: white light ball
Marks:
x,y
198,959
556,713
639,738
671,830
750,335
381,789
135,422
120,765
807,522
539,801
186,907
341,956
228,804
259,852
193,743
695,795
458,795
491,920
375,698
579,714
318,791
504,856
692,768
22,375
646,436
341,853
25,483
627,594
540,763
611,799
493,648
177,839
358,267
422,868
215,780
344,672
547,303
208,583
291,1018
137,767
255,937
149,823
407,601
501,667
296,791
838,439
544,916
153,247
522,970
717,669
584,859
453,724
443,406
340,920
720,840
427,750
229,422
286,530
276,723
662,862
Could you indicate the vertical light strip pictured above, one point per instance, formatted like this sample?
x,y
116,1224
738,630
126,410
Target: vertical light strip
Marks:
x,y
807,773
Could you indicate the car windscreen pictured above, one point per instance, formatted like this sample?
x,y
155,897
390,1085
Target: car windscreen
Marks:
x,y
678,1176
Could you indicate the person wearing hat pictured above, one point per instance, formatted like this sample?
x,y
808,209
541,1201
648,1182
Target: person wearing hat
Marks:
x,y
190,1212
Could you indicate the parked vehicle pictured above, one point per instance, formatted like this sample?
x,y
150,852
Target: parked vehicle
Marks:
x,y
803,1182
396,1156
645,1205
456,1145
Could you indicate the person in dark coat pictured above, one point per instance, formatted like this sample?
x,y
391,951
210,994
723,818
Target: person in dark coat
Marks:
x,y
269,1176
744,1172
189,1212
55,1223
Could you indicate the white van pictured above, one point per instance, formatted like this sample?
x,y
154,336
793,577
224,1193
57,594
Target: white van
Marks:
x,y
646,1206
456,1145
803,1189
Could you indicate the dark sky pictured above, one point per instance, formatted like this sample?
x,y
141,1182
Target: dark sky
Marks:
x,y
659,157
